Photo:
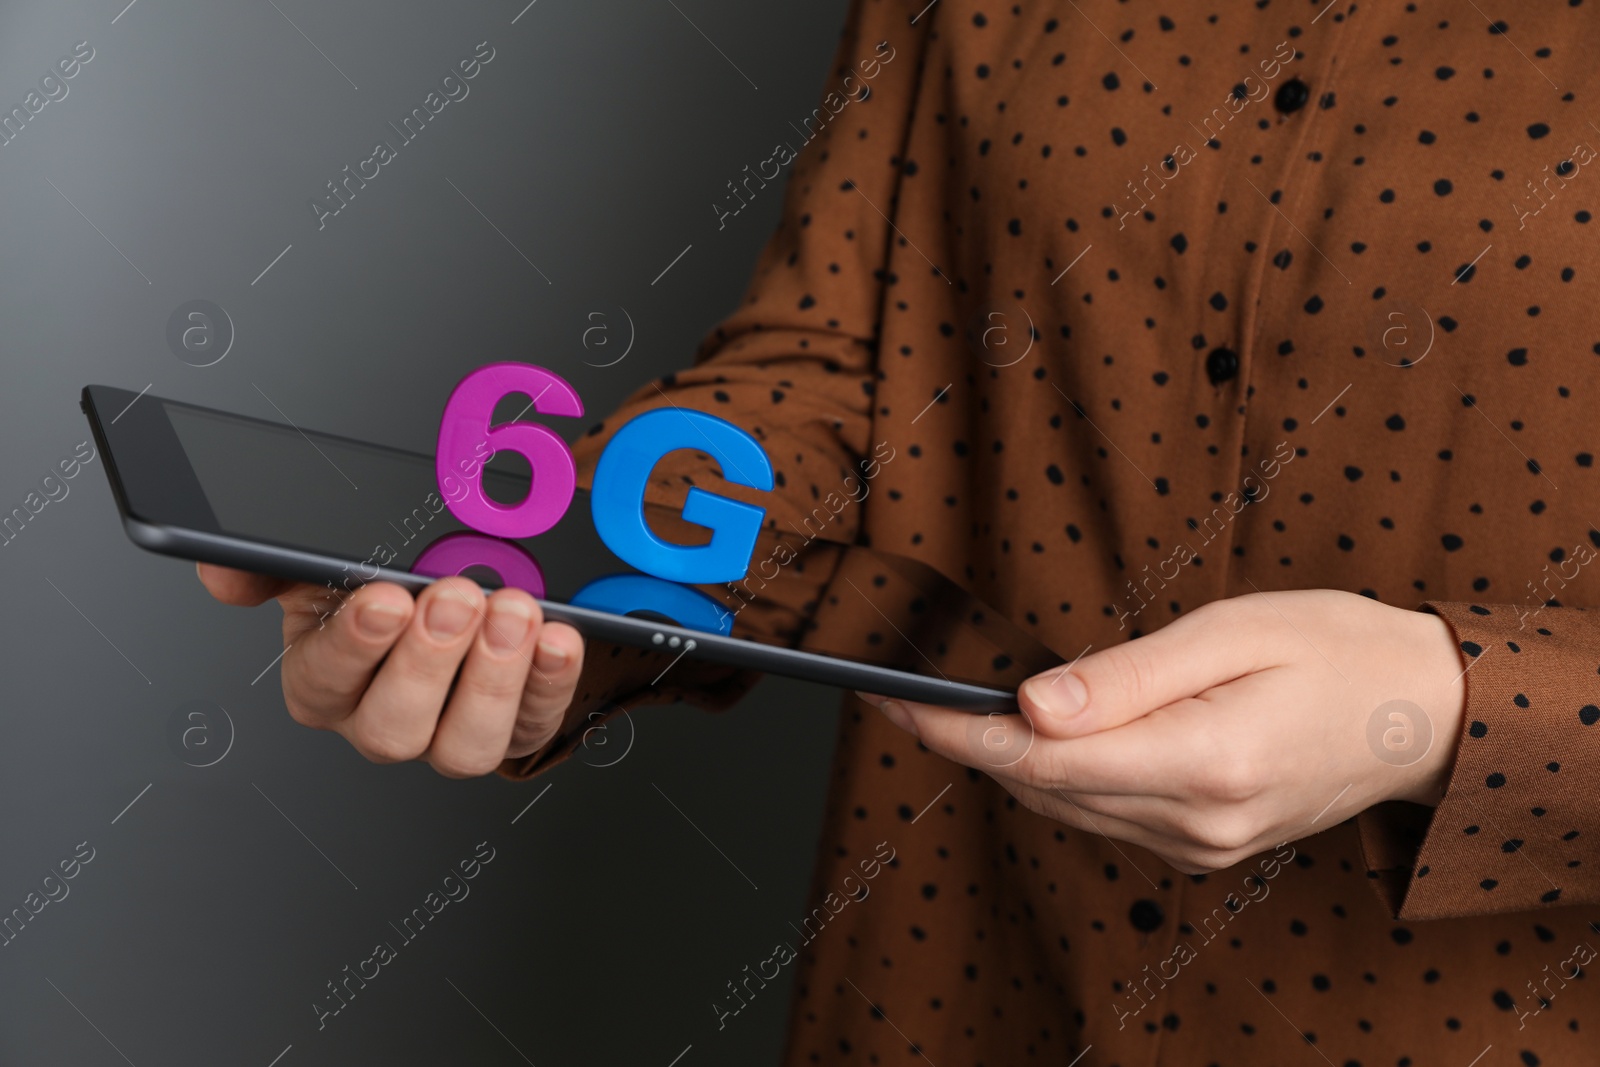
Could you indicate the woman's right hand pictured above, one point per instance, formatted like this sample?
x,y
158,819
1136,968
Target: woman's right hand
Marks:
x,y
381,670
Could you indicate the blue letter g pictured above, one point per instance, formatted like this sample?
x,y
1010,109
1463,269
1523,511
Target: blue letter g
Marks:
x,y
620,478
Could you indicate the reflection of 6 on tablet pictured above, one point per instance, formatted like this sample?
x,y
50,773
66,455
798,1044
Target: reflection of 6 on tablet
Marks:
x,y
467,438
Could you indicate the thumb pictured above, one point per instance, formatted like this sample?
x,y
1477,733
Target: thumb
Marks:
x,y
1116,685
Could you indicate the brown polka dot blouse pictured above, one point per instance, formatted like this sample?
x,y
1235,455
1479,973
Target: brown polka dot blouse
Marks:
x,y
1088,267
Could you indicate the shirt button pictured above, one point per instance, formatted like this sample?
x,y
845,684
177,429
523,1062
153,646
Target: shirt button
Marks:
x,y
1146,915
1292,96
1222,365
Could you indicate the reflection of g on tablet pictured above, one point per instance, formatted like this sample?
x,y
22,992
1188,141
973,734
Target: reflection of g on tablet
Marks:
x,y
221,488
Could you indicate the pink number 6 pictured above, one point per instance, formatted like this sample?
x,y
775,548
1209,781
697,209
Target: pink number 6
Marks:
x,y
467,440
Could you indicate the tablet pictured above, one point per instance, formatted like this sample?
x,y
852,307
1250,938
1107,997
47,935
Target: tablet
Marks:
x,y
284,500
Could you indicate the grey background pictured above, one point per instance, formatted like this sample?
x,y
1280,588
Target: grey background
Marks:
x,y
208,923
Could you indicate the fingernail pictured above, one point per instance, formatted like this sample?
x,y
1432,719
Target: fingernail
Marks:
x,y
871,698
448,615
378,619
896,713
508,626
1061,696
551,657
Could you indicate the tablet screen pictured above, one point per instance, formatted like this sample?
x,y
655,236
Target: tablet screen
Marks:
x,y
380,507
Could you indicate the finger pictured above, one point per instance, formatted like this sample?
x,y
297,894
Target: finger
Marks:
x,y
475,730
1185,833
328,665
1163,819
240,588
557,665
1174,852
396,716
1083,811
1101,691
999,744
1124,762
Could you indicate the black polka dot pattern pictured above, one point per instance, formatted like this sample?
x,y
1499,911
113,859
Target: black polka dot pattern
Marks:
x,y
1205,271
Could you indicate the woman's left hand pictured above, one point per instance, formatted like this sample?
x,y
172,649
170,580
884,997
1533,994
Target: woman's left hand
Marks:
x,y
1243,724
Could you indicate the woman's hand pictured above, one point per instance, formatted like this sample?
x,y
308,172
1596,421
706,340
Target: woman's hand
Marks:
x,y
1241,725
381,669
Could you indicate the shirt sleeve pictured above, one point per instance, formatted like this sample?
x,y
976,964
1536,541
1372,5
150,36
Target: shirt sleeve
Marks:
x,y
1518,826
795,363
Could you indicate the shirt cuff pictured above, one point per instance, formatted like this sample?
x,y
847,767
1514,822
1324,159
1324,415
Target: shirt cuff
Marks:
x,y
1515,827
